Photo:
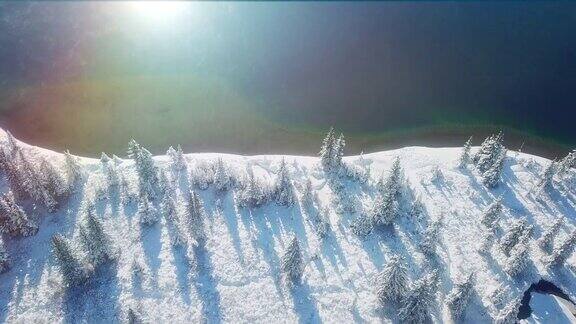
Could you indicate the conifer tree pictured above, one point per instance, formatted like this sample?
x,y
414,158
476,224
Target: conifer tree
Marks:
x,y
132,317
147,171
486,242
327,150
221,177
489,152
492,213
12,144
195,217
323,223
112,176
95,240
509,314
73,170
459,298
283,191
385,210
146,211
4,257
547,175
563,251
292,262
395,178
177,157
416,306
53,182
464,158
565,164
392,281
13,219
168,210
104,158
68,262
517,230
417,208
430,238
519,257
253,194
546,240
491,177
33,183
308,194
338,152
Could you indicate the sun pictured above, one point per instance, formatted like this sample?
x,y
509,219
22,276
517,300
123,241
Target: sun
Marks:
x,y
158,11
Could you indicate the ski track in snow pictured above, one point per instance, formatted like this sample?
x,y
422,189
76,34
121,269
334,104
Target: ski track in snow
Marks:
x,y
236,276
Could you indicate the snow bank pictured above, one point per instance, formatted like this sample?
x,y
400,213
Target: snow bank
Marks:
x,y
237,278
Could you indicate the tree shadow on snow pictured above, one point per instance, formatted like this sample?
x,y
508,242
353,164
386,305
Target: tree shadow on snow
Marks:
x,y
95,300
304,304
205,285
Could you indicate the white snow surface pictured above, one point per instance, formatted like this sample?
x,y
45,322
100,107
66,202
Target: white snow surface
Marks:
x,y
237,278
549,309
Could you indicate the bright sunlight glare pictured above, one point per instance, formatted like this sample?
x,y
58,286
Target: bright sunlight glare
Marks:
x,y
158,11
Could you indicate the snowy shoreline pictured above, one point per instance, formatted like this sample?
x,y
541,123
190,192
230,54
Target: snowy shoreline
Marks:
x,y
211,236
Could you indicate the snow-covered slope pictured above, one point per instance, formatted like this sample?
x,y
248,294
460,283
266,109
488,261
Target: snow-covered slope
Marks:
x,y
237,276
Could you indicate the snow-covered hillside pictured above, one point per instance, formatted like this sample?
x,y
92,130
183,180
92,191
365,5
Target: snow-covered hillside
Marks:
x,y
220,255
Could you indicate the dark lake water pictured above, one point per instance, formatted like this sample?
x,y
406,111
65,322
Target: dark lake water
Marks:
x,y
256,78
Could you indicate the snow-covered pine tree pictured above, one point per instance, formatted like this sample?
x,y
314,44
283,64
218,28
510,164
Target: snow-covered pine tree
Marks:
x,y
308,195
547,175
565,164
177,157
95,240
327,150
221,177
517,230
416,306
13,219
562,251
33,183
13,176
395,179
126,196
459,298
53,182
168,210
431,238
392,282
464,158
492,213
12,144
519,257
147,171
384,209
112,176
491,177
417,208
283,191
73,170
338,152
70,266
486,242
292,262
164,184
146,211
547,238
104,158
4,257
508,314
362,225
253,194
195,217
323,223
489,152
